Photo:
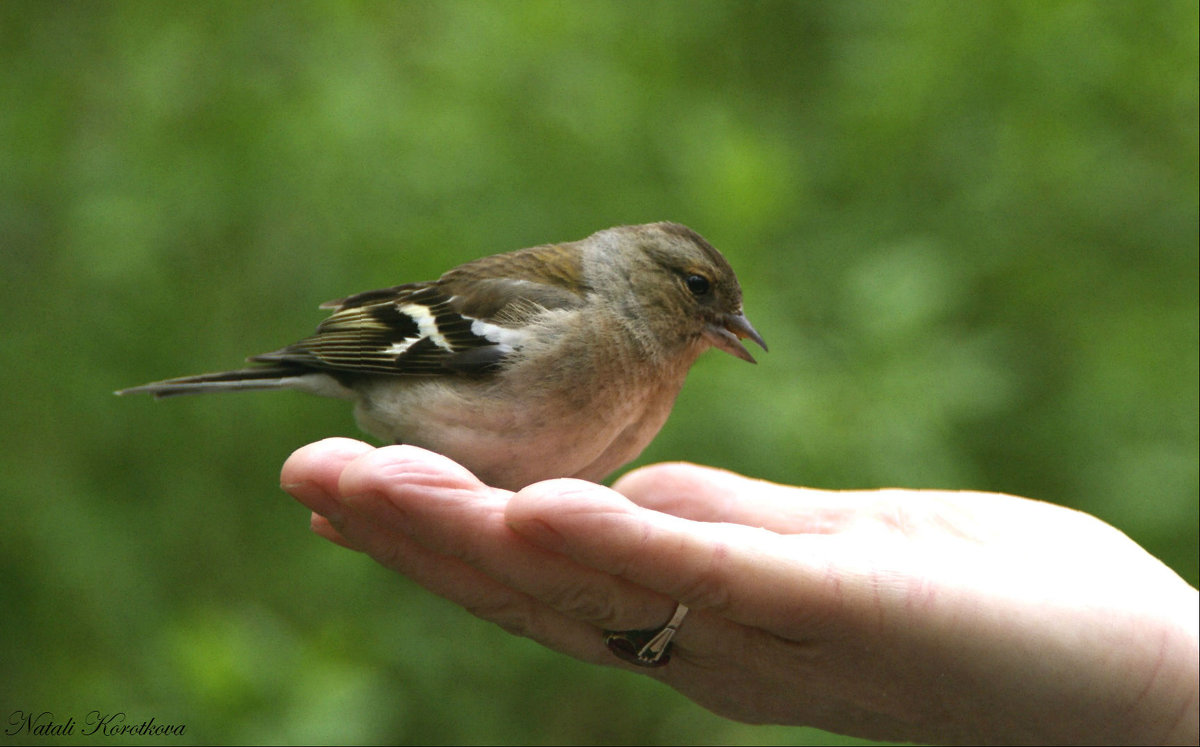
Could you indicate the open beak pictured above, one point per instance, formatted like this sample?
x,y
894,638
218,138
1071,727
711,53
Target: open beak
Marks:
x,y
727,333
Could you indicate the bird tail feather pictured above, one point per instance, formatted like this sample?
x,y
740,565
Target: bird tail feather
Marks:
x,y
242,380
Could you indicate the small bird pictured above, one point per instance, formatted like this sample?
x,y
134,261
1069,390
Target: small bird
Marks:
x,y
560,360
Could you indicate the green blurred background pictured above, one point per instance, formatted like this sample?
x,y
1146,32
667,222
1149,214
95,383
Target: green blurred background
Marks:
x,y
967,230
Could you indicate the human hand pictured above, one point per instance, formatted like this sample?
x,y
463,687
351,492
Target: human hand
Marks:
x,y
896,614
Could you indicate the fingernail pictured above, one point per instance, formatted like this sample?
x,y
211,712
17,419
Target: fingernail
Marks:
x,y
538,532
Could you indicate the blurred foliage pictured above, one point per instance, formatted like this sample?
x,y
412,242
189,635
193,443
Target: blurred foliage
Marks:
x,y
967,230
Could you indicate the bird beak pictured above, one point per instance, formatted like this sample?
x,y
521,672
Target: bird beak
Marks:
x,y
728,331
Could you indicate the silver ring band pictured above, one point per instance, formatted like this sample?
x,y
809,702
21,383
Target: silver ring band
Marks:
x,y
646,648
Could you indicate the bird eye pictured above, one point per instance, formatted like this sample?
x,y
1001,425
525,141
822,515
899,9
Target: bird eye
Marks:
x,y
698,284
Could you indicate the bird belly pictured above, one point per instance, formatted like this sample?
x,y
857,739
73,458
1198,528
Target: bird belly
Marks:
x,y
510,442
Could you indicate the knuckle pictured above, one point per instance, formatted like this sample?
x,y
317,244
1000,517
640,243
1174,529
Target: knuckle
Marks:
x,y
588,603
706,592
709,587
515,616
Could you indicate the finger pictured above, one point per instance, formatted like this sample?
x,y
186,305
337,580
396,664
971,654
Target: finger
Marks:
x,y
321,526
475,591
312,472
403,492
751,575
699,648
712,495
316,475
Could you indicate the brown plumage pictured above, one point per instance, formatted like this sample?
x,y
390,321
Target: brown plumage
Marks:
x,y
561,360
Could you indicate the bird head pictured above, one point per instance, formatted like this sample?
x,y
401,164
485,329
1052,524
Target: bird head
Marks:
x,y
681,286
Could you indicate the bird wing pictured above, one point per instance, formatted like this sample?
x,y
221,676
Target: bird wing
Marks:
x,y
467,321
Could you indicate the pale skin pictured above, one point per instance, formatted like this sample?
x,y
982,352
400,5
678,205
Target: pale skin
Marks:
x,y
898,614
